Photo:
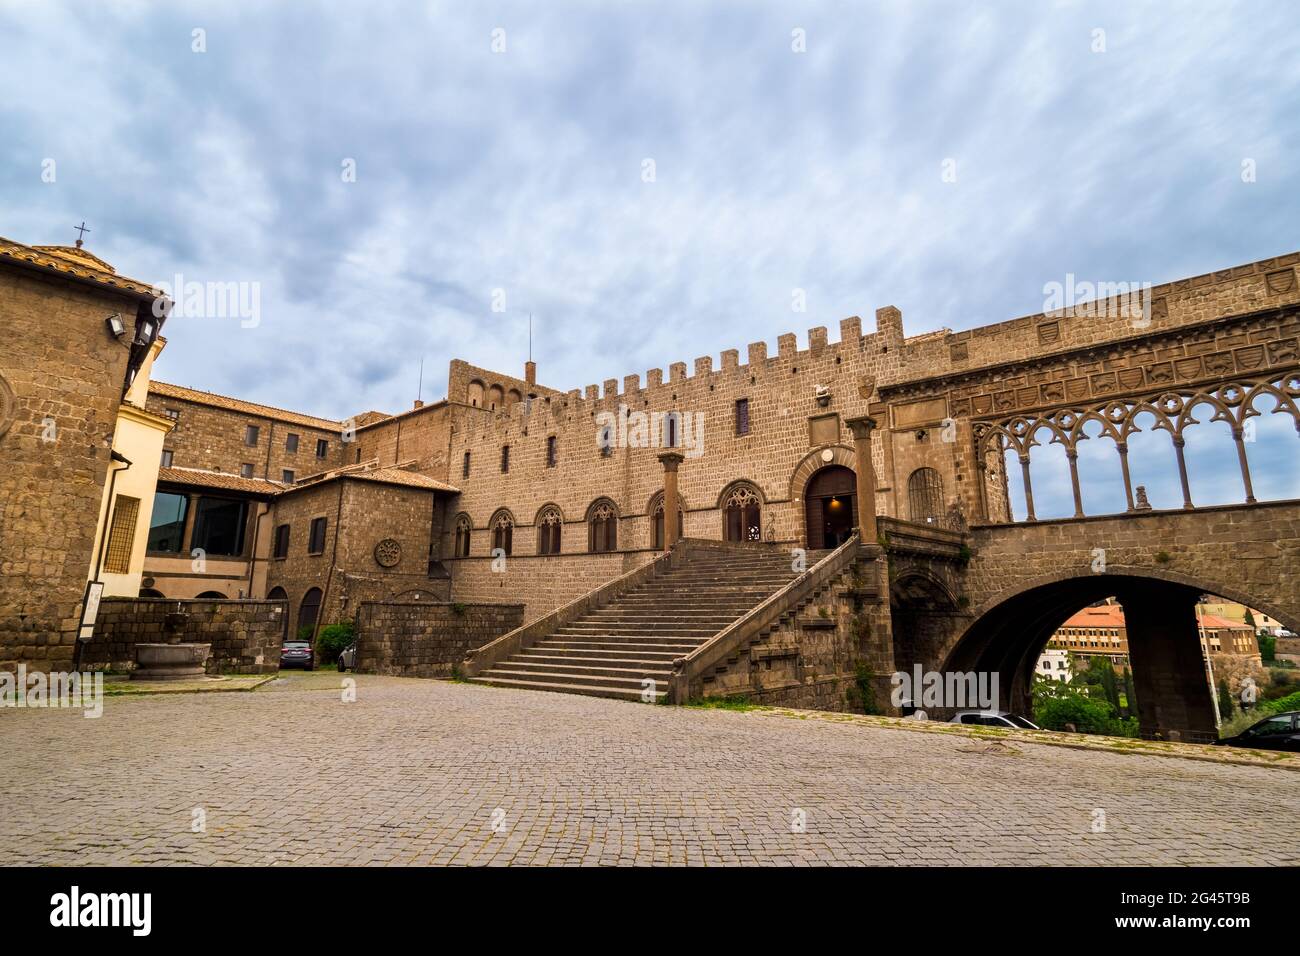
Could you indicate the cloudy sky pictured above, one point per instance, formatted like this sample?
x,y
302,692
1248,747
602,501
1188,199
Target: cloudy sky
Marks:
x,y
502,151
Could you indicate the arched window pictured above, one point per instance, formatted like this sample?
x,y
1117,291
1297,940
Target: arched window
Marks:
x,y
657,516
462,536
308,612
211,596
602,522
277,594
503,530
925,496
742,514
549,525
150,593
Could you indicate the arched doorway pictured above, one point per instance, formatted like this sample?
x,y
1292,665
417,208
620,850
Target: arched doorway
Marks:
x,y
830,507
308,612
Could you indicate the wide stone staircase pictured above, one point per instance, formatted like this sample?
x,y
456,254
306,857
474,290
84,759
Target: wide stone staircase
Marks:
x,y
611,650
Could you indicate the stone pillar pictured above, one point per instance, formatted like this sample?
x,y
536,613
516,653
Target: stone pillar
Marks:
x,y
862,428
1174,697
672,533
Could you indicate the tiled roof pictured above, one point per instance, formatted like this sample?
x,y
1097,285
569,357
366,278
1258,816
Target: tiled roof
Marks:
x,y
1216,622
239,405
398,476
74,262
1108,615
218,479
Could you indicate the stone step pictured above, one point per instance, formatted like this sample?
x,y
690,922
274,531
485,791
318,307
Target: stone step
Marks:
x,y
569,670
619,693
615,658
616,644
574,680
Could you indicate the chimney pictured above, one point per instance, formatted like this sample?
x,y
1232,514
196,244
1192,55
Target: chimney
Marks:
x,y
530,372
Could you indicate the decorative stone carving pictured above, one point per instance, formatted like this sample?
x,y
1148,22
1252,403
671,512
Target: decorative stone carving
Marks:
x,y
388,552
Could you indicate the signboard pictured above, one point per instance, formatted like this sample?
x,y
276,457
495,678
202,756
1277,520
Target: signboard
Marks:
x,y
90,609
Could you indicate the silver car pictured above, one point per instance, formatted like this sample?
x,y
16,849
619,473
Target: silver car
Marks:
x,y
348,657
993,718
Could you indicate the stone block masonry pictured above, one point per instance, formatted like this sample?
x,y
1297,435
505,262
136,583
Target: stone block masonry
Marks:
x,y
245,635
427,640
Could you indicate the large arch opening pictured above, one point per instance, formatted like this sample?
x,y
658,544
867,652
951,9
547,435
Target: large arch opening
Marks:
x,y
1185,658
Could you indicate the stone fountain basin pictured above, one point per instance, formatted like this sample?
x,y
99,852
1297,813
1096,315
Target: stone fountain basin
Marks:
x,y
170,661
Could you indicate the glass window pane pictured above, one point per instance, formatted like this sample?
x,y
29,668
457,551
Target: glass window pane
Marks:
x,y
168,522
219,526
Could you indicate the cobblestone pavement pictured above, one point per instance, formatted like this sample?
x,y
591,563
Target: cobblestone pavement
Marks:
x,y
430,772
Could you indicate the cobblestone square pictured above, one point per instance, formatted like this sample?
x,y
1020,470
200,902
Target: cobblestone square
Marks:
x,y
427,772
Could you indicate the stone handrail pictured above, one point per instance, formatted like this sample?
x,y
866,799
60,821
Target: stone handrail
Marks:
x,y
522,638
689,670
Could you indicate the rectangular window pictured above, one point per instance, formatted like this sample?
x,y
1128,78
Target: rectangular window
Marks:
x,y
505,459
121,536
742,416
173,413
246,470
464,468
250,435
316,541
291,443
287,476
282,541
167,456
168,522
552,451
219,526
322,448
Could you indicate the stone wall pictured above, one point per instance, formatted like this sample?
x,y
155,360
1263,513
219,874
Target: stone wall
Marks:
x,y
61,381
245,635
810,660
360,513
427,640
212,437
542,582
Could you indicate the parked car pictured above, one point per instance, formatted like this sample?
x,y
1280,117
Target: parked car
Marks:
x,y
993,718
297,654
348,657
1279,732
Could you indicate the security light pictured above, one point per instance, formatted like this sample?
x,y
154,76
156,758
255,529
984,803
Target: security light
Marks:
x,y
115,325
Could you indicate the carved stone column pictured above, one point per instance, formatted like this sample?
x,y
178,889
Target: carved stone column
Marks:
x,y
862,428
672,533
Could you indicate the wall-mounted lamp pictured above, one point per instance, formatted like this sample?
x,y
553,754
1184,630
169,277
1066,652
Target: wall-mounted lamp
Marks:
x,y
146,330
116,327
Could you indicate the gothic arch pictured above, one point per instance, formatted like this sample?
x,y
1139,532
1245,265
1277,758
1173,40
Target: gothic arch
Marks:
x,y
732,486
813,462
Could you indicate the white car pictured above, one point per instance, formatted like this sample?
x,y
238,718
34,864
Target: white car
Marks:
x,y
993,718
348,657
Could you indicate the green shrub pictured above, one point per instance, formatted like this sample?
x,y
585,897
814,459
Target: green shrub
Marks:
x,y
331,641
862,695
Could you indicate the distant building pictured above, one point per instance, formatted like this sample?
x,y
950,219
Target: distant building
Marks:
x,y
1095,631
1232,611
1054,664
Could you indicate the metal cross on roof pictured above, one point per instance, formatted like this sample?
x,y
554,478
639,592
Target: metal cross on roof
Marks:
x,y
82,230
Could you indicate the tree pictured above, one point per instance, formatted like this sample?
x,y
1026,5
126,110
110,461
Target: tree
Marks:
x,y
1250,618
1109,686
1130,694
